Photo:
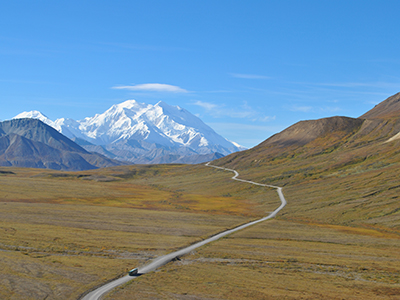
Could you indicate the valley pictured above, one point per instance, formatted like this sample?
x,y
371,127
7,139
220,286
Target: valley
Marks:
x,y
163,260
46,236
199,150
93,235
64,233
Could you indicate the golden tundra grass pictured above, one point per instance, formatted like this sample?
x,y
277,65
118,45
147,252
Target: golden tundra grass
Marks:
x,y
89,227
338,238
117,187
42,245
63,233
279,260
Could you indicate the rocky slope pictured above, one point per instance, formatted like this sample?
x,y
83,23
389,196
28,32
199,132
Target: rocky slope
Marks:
x,y
31,143
390,108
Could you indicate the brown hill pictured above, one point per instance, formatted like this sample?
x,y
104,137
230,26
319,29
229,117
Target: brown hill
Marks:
x,y
305,138
313,137
304,132
387,109
348,166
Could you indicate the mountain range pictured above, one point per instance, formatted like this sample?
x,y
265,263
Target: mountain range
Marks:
x,y
33,144
161,133
144,133
341,224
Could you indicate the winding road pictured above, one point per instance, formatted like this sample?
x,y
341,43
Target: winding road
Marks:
x,y
162,260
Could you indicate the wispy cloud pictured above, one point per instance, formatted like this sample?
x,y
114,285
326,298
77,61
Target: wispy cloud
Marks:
x,y
206,105
331,109
247,135
143,47
243,111
301,108
240,126
357,84
27,81
152,87
248,76
310,109
268,118
354,84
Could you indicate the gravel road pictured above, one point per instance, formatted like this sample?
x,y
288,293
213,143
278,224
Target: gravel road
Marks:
x,y
162,260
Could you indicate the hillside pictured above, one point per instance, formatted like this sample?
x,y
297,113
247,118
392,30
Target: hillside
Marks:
x,y
390,108
344,164
327,136
33,144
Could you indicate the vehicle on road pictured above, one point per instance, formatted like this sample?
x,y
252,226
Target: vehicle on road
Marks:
x,y
162,260
133,272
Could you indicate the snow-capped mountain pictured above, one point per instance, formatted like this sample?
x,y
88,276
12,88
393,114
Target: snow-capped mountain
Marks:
x,y
142,133
34,114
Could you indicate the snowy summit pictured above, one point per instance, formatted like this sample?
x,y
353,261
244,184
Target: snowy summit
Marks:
x,y
142,133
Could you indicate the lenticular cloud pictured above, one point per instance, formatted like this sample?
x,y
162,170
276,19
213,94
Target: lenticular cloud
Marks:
x,y
153,87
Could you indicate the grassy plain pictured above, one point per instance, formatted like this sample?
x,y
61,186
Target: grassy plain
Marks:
x,y
64,233
338,238
279,260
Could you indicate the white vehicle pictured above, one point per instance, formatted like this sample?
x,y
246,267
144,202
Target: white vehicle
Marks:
x,y
133,272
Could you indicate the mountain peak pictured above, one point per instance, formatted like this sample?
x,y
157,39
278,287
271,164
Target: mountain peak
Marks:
x,y
140,132
163,104
33,114
128,104
387,109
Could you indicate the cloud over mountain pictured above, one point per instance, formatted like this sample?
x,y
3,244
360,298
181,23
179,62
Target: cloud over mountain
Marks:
x,y
152,87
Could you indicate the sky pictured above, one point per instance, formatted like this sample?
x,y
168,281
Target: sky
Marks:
x,y
249,69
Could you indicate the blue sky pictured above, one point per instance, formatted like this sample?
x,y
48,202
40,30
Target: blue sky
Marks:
x,y
247,68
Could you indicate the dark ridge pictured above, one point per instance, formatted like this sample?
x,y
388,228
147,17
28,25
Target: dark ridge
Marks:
x,y
30,143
